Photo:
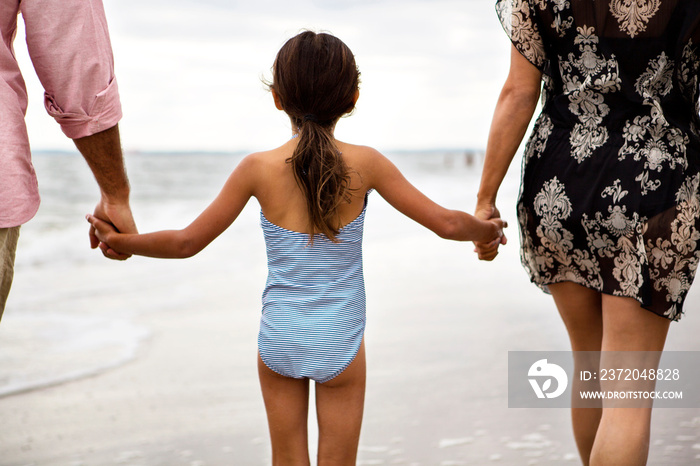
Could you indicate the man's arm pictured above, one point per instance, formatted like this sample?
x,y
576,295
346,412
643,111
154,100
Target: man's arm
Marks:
x,y
103,154
69,44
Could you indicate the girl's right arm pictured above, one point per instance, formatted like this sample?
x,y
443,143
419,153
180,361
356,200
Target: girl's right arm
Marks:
x,y
187,242
383,176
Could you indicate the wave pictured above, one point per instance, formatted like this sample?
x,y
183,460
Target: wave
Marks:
x,y
51,349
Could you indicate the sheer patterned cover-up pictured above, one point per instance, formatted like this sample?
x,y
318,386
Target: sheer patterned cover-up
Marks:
x,y
610,178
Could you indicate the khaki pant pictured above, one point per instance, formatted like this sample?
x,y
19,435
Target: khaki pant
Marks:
x,y
8,246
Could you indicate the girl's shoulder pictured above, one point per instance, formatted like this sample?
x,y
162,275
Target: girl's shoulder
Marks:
x,y
265,160
355,148
370,164
358,155
364,157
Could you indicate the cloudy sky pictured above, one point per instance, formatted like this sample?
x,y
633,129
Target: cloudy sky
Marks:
x,y
190,72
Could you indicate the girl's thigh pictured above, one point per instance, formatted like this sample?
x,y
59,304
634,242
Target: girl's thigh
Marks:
x,y
339,406
287,406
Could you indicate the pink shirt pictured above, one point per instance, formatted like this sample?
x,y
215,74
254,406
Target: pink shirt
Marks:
x,y
69,46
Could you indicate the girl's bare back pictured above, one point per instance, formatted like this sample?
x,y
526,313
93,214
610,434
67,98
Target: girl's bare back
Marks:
x,y
282,200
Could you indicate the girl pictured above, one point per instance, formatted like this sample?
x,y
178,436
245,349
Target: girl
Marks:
x,y
312,192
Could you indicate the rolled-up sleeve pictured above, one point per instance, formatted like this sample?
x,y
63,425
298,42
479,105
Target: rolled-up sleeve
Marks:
x,y
69,44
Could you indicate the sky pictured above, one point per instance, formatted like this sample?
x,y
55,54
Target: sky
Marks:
x,y
190,72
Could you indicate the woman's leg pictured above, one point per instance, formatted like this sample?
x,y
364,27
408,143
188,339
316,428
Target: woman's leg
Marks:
x,y
581,310
287,406
623,434
339,406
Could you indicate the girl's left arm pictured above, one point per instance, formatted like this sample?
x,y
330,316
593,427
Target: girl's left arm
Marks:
x,y
187,242
390,183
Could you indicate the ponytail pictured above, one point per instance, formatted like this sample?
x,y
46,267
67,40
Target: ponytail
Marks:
x,y
322,175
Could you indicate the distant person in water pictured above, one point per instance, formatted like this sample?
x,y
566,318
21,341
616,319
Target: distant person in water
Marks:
x,y
313,194
72,56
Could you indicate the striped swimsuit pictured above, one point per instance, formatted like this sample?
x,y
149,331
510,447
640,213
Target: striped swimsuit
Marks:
x,y
313,314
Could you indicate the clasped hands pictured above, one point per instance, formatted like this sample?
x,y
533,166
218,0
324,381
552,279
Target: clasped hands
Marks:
x,y
487,251
118,216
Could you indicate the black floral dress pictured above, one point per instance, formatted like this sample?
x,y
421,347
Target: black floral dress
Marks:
x,y
610,189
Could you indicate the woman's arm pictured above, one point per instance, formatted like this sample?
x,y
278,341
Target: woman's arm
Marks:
x,y
387,180
203,230
516,104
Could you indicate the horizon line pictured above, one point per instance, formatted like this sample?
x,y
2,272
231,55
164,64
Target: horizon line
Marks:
x,y
130,152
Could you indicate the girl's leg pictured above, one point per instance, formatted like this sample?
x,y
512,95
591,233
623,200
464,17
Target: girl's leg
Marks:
x,y
287,406
623,435
339,406
581,310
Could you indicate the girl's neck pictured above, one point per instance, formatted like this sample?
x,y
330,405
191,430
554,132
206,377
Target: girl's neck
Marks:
x,y
296,130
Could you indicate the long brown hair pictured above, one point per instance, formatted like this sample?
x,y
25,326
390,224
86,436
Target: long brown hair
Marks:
x,y
316,80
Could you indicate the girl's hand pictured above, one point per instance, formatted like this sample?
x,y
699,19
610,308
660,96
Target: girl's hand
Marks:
x,y
488,249
102,231
500,225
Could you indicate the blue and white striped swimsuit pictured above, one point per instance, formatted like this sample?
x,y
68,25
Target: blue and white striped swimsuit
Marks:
x,y
313,314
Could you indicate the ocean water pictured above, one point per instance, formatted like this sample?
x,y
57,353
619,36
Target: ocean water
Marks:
x,y
72,313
